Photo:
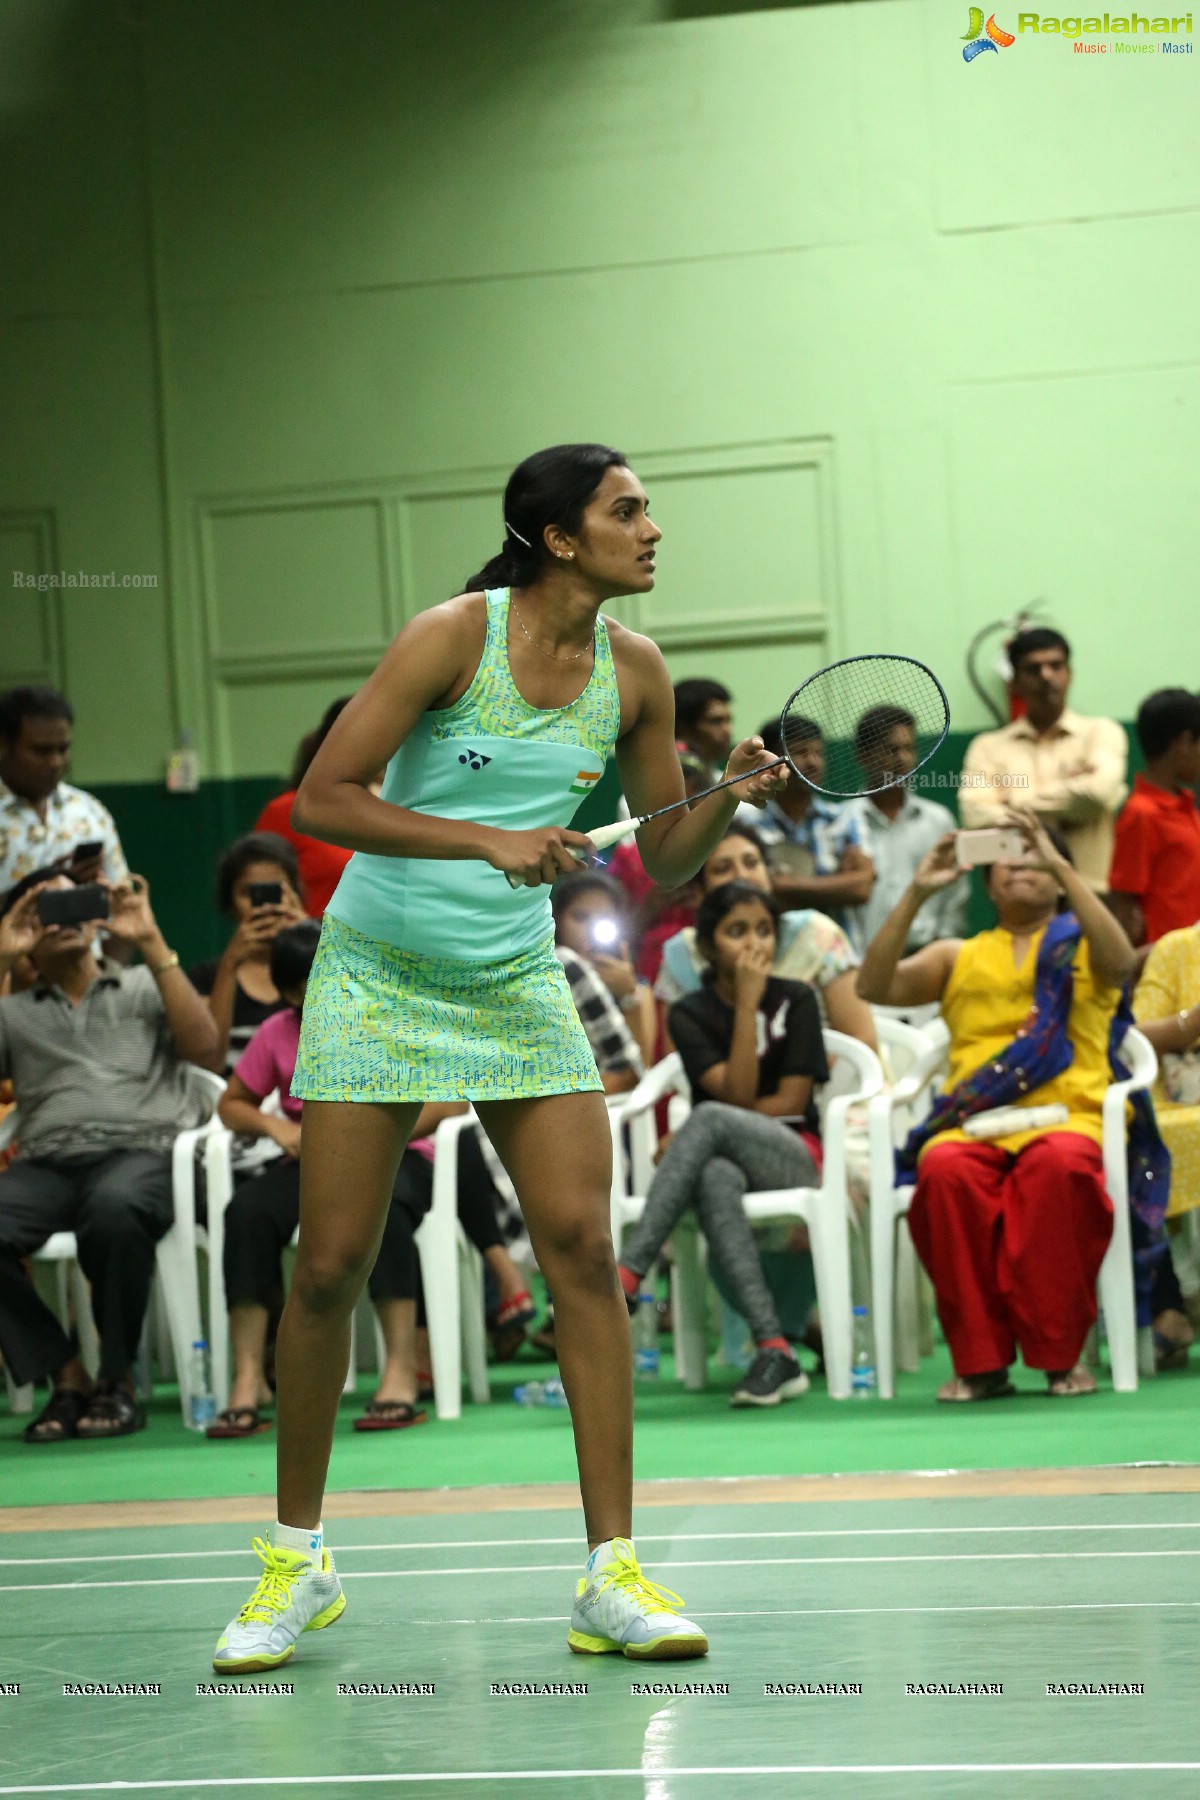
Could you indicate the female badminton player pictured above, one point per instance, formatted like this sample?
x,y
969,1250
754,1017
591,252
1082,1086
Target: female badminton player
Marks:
x,y
435,980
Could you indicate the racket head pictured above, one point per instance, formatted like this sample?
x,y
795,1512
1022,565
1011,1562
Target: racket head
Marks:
x,y
864,724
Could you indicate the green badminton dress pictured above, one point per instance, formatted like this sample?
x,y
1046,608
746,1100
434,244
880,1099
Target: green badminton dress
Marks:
x,y
435,980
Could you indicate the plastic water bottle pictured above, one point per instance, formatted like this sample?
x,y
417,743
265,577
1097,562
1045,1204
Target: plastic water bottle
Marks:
x,y
541,1393
862,1357
645,1337
204,1403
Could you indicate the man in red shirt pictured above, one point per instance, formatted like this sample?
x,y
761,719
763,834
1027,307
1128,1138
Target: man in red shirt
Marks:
x,y
1155,875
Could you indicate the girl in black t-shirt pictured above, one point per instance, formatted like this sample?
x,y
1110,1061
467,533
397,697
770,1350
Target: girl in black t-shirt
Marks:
x,y
752,1050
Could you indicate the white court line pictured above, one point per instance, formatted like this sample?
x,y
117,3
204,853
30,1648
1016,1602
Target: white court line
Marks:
x,y
837,1612
655,1771
643,1537
732,1562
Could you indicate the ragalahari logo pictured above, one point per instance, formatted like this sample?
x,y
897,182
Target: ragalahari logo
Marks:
x,y
980,37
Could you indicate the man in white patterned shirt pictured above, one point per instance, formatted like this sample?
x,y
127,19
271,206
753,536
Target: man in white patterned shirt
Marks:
x,y
42,818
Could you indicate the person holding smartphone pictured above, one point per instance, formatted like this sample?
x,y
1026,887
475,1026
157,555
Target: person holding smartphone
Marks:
x,y
591,917
95,1053
258,888
43,819
1012,1228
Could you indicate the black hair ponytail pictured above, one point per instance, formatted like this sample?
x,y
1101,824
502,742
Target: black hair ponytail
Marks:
x,y
552,487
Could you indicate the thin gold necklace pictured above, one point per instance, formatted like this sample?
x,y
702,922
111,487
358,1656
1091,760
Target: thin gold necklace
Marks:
x,y
575,658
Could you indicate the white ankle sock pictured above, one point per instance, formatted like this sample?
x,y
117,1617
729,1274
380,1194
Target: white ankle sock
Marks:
x,y
308,1540
600,1555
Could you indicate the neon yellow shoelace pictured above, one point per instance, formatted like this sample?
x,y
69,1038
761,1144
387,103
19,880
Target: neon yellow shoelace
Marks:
x,y
274,1590
629,1580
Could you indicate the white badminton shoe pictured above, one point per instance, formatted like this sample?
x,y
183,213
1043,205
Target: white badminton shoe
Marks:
x,y
618,1611
293,1595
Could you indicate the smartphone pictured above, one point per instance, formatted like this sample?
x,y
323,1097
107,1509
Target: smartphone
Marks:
x,y
605,934
87,852
73,906
265,893
995,843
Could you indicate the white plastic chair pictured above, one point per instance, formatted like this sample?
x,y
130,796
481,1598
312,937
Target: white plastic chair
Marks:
x,y
902,1043
855,1075
175,1254
892,1116
451,1274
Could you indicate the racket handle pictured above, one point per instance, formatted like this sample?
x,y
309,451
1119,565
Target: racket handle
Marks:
x,y
612,834
601,839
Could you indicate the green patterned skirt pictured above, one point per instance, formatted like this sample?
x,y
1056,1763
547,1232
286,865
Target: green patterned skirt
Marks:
x,y
384,1024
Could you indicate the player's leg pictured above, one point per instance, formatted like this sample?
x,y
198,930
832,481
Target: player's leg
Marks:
x,y
349,1155
558,1150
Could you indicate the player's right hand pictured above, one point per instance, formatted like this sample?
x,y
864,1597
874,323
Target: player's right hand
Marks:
x,y
531,858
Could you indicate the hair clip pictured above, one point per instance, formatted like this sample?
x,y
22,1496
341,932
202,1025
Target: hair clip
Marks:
x,y
517,535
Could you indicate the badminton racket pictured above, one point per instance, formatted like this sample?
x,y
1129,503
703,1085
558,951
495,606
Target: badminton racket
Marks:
x,y
850,710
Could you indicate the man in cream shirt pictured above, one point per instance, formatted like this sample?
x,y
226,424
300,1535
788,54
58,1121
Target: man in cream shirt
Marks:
x,y
1069,770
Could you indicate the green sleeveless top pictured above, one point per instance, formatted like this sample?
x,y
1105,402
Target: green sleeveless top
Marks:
x,y
494,759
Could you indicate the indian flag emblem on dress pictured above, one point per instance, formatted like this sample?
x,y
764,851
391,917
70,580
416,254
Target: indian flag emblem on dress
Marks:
x,y
584,782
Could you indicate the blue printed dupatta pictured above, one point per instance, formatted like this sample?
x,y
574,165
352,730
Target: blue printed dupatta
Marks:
x,y
1040,1051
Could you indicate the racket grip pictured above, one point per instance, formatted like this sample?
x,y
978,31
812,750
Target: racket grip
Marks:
x,y
601,838
612,834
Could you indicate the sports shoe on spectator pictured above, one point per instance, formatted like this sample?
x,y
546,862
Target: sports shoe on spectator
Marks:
x,y
773,1376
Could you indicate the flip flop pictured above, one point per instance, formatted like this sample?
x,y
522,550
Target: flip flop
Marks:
x,y
237,1422
389,1415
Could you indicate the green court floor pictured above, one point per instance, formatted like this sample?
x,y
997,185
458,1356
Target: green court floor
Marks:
x,y
679,1434
1015,1593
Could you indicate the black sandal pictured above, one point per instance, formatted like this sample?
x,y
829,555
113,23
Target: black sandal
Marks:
x,y
64,1409
238,1422
111,1412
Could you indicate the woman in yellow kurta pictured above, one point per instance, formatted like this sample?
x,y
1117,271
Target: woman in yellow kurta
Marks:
x,y
1166,1005
1012,1229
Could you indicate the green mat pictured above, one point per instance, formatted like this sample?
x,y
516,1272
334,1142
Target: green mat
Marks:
x,y
679,1434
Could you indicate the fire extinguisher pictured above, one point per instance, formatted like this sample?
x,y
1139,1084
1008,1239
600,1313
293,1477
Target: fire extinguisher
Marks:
x,y
1001,666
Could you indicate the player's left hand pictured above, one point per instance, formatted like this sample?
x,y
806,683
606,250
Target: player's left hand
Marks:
x,y
749,755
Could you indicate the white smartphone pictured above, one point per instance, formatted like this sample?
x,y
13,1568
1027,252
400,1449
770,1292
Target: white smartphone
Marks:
x,y
995,843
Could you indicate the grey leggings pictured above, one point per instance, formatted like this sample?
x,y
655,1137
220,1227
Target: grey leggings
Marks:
x,y
720,1154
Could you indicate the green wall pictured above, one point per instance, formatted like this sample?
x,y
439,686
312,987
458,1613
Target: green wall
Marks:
x,y
898,345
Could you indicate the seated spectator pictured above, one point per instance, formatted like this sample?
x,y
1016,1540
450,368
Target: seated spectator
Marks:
x,y
809,946
238,984
320,864
752,1050
591,919
1013,1229
1166,1005
897,827
1068,770
43,820
1155,875
96,1055
814,848
704,723
619,1062
263,1215
658,913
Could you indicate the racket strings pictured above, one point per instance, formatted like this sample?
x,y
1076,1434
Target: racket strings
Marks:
x,y
864,724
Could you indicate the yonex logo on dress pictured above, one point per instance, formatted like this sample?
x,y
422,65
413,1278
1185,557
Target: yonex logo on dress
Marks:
x,y
476,758
584,782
